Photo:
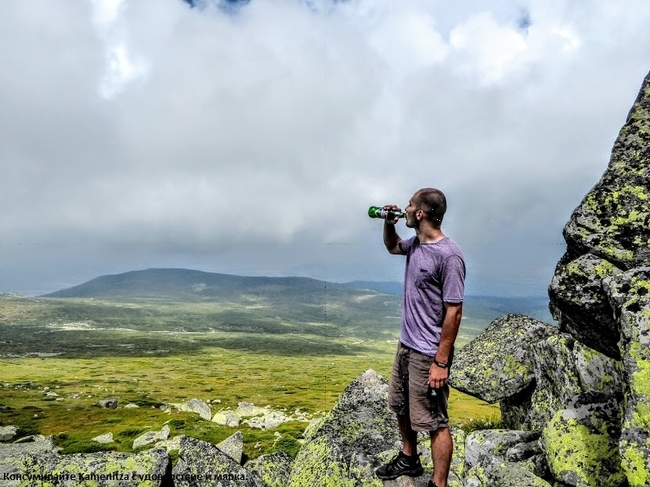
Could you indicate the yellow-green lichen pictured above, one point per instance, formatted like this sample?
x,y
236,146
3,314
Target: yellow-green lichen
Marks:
x,y
635,465
573,448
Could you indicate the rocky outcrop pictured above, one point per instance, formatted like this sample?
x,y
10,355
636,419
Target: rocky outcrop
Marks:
x,y
608,233
583,388
38,463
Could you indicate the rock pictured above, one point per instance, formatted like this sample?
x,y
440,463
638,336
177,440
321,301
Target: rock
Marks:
x,y
105,438
15,458
565,372
131,405
274,469
171,444
611,225
312,428
151,437
40,458
580,305
581,446
320,463
197,406
247,410
114,469
482,445
360,425
226,418
630,297
271,419
202,464
497,364
7,433
233,446
110,403
501,473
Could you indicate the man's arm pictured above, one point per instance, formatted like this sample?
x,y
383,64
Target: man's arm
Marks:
x,y
391,239
438,375
453,315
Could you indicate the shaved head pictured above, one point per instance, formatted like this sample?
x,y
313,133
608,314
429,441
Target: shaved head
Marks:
x,y
433,202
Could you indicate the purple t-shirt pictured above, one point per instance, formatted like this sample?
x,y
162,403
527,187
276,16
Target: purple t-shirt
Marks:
x,y
435,274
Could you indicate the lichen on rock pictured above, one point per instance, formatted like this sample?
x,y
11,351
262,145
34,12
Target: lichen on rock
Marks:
x,y
497,364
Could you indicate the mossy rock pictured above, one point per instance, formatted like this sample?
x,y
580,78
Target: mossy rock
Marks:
x,y
630,295
497,364
579,302
581,446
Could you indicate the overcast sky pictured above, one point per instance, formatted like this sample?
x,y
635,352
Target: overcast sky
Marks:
x,y
250,138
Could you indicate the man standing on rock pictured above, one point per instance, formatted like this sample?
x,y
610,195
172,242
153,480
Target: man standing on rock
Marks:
x,y
434,285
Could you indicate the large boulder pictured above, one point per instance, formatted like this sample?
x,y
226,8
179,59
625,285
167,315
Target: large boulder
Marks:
x,y
581,446
196,406
579,303
102,469
343,448
612,227
566,372
202,464
15,458
497,364
274,469
630,297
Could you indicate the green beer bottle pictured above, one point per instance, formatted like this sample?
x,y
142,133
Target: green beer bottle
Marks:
x,y
379,212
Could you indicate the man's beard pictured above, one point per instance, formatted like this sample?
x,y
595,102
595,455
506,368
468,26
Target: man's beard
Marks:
x,y
412,223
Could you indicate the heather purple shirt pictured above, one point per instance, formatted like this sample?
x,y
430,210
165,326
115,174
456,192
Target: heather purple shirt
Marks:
x,y
435,273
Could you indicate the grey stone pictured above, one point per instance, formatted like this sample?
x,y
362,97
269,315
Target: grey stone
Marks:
x,y
202,464
105,438
630,297
271,419
482,445
360,426
226,418
151,437
581,445
197,406
579,303
152,467
109,403
274,469
497,364
247,410
233,446
611,223
7,433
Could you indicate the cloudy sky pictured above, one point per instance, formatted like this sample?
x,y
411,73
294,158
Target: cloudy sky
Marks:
x,y
251,137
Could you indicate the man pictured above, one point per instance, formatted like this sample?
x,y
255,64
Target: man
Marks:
x,y
434,285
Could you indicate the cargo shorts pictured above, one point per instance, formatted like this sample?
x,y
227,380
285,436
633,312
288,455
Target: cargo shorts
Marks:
x,y
409,393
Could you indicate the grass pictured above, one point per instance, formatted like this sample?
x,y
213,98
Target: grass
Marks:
x,y
159,357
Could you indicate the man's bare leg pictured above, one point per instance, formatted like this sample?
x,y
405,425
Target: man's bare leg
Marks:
x,y
409,437
442,449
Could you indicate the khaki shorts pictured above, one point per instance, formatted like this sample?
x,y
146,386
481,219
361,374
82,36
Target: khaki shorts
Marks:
x,y
409,393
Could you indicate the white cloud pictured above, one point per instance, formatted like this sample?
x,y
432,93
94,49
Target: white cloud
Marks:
x,y
164,135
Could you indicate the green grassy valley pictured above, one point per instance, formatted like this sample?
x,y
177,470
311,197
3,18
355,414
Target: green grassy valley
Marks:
x,y
161,337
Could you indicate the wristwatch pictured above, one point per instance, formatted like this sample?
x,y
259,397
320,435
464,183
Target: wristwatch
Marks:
x,y
442,365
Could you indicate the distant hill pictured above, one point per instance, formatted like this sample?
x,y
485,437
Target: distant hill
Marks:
x,y
195,285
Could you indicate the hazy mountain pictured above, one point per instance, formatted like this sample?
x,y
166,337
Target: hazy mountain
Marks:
x,y
350,297
197,285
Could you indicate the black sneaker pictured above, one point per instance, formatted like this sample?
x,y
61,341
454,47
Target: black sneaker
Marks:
x,y
431,484
400,465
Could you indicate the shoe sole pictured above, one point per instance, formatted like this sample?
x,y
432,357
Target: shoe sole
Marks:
x,y
411,473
